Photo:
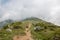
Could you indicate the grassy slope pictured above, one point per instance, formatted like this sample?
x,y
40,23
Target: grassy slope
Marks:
x,y
49,31
5,35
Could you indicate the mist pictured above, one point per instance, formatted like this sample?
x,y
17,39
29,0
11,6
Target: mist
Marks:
x,y
48,10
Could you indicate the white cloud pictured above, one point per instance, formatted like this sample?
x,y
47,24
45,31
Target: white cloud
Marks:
x,y
55,15
18,9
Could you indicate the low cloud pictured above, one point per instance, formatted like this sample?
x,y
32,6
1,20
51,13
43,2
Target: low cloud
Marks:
x,y
48,10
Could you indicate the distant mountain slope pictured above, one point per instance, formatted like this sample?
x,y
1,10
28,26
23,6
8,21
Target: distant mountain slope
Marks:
x,y
5,22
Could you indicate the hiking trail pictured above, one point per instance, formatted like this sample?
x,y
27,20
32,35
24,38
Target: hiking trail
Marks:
x,y
25,37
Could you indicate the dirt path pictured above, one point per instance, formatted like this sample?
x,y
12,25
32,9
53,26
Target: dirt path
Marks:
x,y
26,37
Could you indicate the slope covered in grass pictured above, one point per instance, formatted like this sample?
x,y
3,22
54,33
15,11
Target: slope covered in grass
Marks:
x,y
10,30
49,31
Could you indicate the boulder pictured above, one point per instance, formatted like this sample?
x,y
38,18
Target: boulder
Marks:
x,y
38,28
9,30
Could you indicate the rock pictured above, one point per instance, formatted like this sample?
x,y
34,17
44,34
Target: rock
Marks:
x,y
38,28
9,30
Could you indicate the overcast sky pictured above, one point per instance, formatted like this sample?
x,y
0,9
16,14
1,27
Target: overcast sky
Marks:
x,y
48,10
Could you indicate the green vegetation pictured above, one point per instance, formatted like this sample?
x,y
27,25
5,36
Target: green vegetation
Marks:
x,y
49,31
10,30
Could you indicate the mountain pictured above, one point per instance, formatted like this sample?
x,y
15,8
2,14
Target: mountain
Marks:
x,y
35,20
5,22
40,29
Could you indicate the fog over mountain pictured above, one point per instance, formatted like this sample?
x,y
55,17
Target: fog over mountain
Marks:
x,y
48,10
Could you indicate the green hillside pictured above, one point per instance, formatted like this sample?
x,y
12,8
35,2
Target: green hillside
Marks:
x,y
40,29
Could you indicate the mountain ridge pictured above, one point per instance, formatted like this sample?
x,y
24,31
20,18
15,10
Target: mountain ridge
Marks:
x,y
31,19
